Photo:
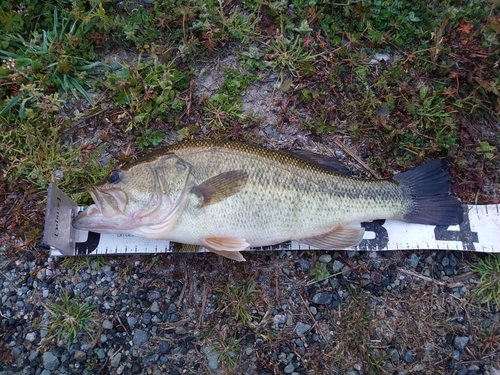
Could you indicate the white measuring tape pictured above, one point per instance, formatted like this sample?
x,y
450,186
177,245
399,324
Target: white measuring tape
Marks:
x,y
479,231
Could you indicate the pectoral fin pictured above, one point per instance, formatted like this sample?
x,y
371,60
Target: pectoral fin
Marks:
x,y
338,239
220,187
228,247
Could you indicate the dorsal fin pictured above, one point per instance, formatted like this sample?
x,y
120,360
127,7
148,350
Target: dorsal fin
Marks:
x,y
326,162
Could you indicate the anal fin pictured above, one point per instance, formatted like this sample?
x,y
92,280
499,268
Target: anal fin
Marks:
x,y
228,247
338,239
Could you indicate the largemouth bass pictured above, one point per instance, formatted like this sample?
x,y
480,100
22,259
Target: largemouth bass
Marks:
x,y
227,196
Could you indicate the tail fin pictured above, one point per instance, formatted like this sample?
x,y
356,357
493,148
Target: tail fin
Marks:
x,y
429,189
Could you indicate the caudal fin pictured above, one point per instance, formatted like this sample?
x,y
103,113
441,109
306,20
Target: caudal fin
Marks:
x,y
428,186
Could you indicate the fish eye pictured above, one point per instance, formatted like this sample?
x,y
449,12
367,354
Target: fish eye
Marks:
x,y
115,177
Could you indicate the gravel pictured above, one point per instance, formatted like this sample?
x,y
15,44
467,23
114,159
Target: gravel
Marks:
x,y
171,316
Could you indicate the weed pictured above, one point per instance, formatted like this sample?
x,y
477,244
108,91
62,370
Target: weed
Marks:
x,y
252,59
486,150
48,60
92,363
222,111
487,289
237,300
75,264
224,108
432,126
37,154
6,354
289,54
149,137
239,27
319,271
227,350
188,132
148,90
68,318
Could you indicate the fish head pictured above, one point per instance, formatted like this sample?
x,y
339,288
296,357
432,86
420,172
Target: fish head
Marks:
x,y
144,198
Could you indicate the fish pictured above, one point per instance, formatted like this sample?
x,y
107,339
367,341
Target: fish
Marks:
x,y
228,196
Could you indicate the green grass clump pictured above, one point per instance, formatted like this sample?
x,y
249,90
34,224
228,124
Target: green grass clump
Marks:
x,y
69,317
75,264
487,289
44,62
237,300
37,154
147,91
227,351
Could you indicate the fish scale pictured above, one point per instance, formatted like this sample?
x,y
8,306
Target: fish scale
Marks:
x,y
280,181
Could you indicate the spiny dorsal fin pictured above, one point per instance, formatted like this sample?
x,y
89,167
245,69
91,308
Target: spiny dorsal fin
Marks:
x,y
338,239
220,187
326,162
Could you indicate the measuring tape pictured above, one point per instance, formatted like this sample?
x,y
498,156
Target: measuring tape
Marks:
x,y
479,231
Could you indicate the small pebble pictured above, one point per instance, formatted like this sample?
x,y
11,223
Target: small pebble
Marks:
x,y
459,342
414,259
322,298
139,337
289,368
31,336
164,347
212,358
337,266
325,258
154,307
408,357
302,328
115,360
132,321
50,361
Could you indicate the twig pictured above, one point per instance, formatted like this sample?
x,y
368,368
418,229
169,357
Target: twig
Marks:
x,y
88,117
203,305
411,273
184,286
173,325
357,158
276,286
328,277
448,285
312,318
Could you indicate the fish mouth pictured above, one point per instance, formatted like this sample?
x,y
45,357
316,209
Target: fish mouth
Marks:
x,y
108,203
